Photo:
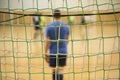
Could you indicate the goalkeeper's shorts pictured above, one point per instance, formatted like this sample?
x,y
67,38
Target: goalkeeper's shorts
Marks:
x,y
57,60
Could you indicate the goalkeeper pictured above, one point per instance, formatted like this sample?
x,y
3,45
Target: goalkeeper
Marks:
x,y
57,33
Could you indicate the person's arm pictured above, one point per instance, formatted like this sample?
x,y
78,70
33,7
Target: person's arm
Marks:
x,y
47,45
67,38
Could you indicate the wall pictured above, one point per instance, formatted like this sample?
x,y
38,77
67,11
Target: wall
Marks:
x,y
43,4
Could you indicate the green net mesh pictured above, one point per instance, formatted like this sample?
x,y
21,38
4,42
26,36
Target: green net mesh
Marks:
x,y
94,43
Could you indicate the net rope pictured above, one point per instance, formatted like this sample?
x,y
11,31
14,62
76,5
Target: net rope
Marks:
x,y
93,53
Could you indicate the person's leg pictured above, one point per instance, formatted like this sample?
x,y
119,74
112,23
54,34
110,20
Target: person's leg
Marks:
x,y
61,62
57,74
41,33
37,32
52,64
53,74
83,20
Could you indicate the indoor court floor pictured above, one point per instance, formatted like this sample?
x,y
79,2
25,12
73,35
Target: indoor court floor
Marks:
x,y
93,53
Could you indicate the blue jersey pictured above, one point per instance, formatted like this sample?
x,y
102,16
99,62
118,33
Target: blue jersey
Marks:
x,y
53,32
